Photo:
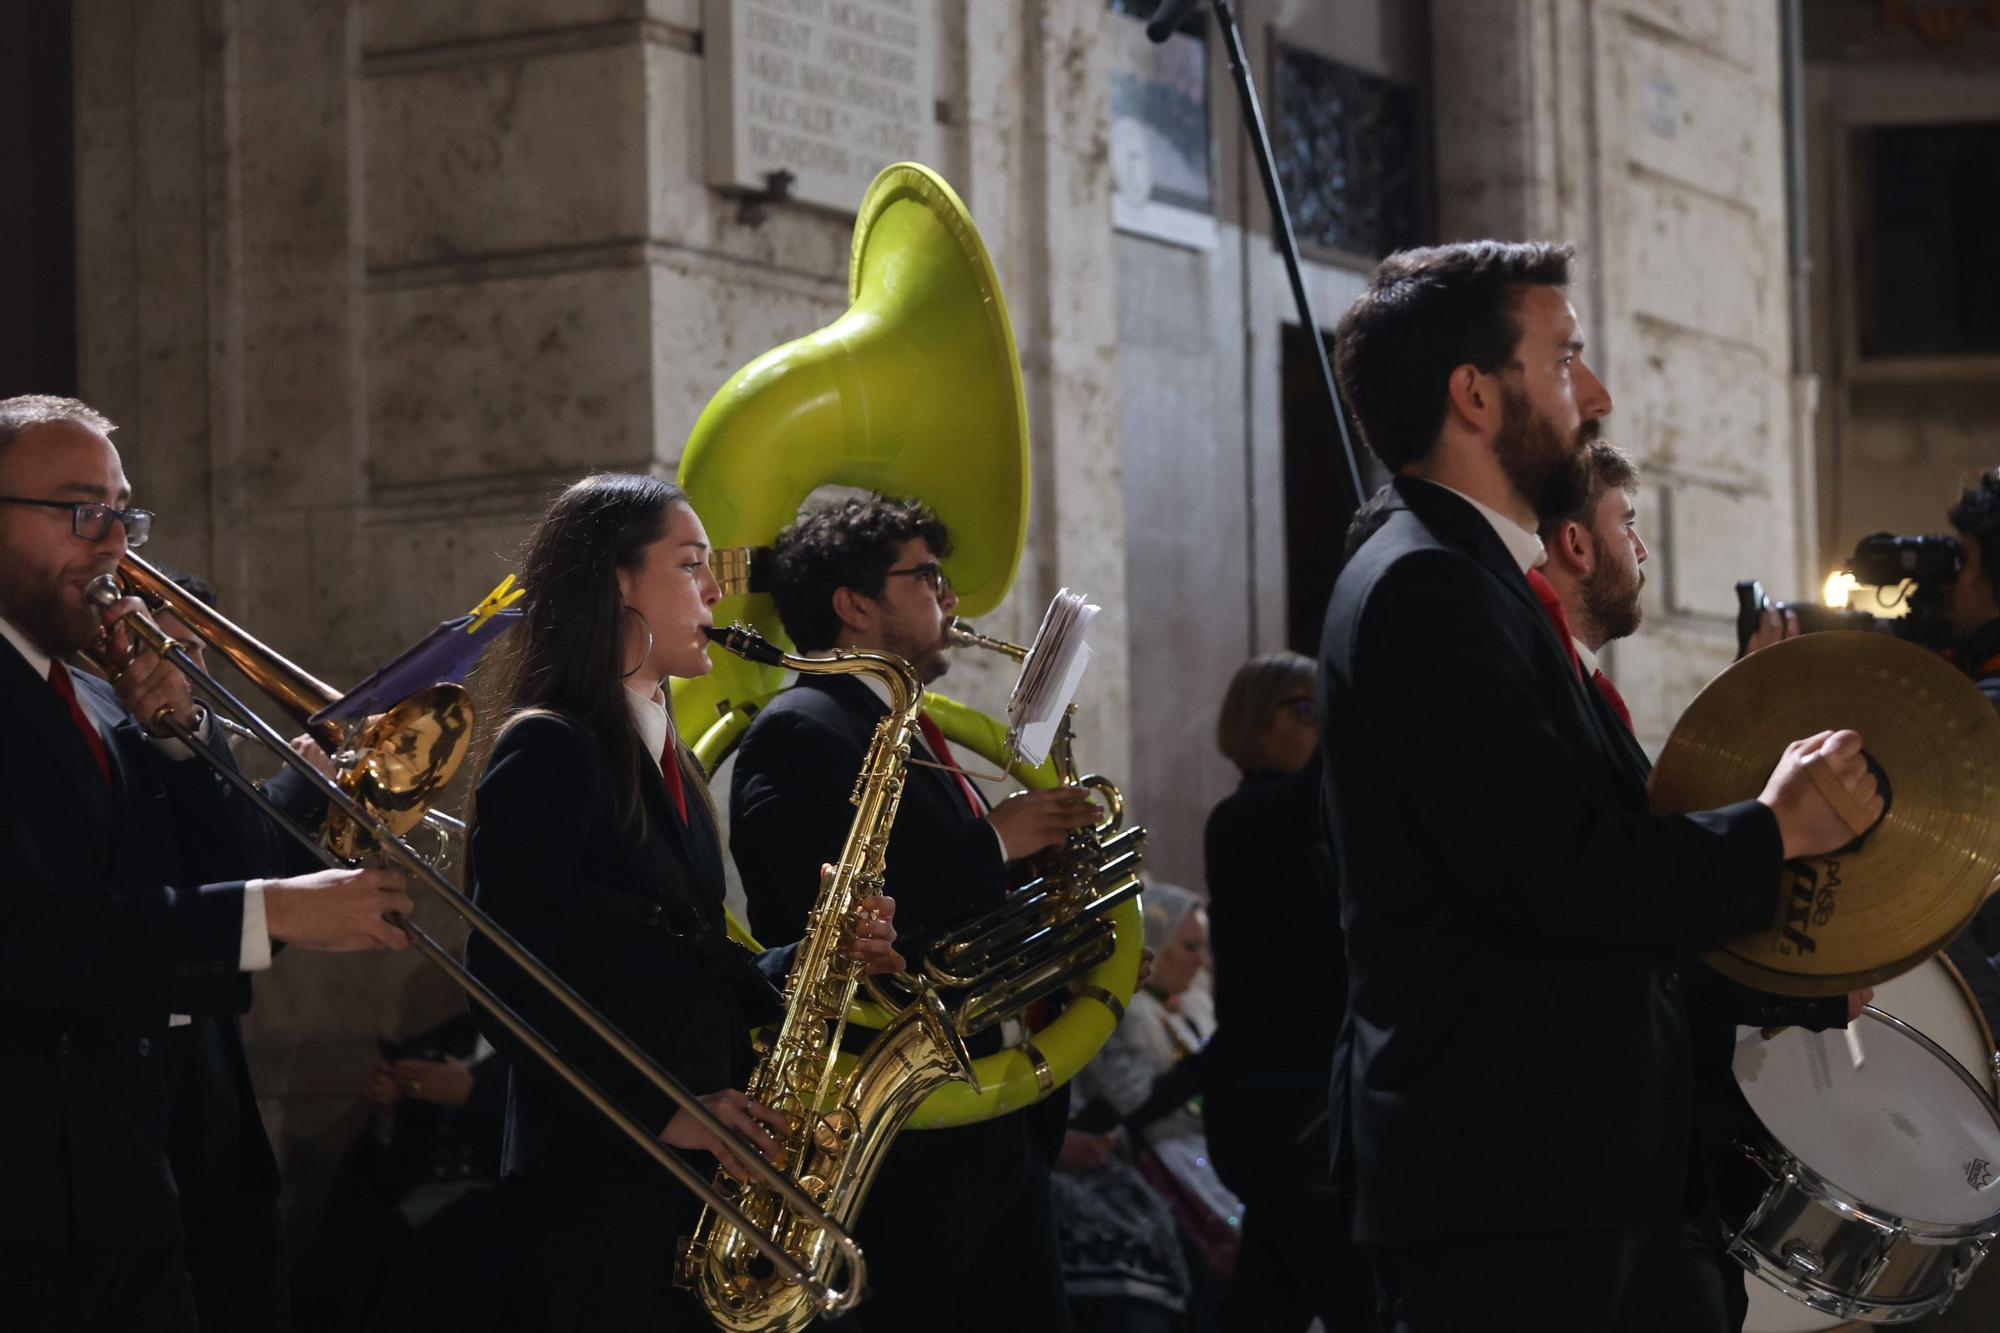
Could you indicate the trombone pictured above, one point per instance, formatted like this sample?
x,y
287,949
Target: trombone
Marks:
x,y
395,764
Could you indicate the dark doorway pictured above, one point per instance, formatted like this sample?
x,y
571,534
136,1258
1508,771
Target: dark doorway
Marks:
x,y
38,200
1318,502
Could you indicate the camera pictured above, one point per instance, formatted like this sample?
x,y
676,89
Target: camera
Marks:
x,y
1918,570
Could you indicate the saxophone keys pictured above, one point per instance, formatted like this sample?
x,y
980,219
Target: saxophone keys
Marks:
x,y
816,1188
833,1132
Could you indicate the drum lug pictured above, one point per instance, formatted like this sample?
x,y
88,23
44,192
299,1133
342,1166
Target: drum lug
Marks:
x,y
1803,1259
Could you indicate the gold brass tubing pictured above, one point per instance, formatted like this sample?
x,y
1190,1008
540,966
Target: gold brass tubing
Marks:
x,y
293,690
961,635
1087,991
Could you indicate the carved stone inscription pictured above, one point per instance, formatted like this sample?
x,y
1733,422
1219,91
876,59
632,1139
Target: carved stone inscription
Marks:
x,y
827,91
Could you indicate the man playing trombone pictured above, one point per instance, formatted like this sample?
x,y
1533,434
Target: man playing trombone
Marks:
x,y
124,900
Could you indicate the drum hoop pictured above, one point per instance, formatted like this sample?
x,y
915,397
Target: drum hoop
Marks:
x,y
1793,1172
1992,1070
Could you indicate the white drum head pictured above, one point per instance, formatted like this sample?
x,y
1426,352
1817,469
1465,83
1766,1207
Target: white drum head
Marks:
x,y
1933,1000
1897,1128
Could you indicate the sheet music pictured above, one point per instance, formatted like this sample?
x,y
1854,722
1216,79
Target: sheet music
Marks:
x,y
1050,676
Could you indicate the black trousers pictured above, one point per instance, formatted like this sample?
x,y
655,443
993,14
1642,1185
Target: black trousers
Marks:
x,y
959,1232
97,1289
1296,1264
236,1260
1665,1281
605,1255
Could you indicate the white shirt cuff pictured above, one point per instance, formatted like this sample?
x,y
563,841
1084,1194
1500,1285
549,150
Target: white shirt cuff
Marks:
x,y
999,842
255,952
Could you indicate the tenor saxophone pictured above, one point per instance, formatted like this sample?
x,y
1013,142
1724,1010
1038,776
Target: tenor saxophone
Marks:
x,y
841,1123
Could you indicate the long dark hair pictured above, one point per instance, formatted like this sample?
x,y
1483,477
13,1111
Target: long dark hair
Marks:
x,y
566,655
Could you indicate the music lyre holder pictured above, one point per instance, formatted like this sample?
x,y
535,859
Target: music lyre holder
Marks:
x,y
1167,20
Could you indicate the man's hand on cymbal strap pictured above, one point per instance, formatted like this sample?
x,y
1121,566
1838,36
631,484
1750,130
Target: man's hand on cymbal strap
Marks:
x,y
1822,793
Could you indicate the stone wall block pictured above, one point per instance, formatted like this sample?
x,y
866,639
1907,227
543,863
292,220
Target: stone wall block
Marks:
x,y
281,42
1713,538
405,24
1725,28
1704,265
704,331
687,215
1697,406
169,33
106,69
1699,120
528,154
542,373
107,259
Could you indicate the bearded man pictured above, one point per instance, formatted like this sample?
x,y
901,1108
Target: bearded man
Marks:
x,y
952,1210
1512,1101
1595,553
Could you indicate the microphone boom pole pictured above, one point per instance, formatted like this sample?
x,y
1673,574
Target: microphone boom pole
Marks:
x,y
1165,21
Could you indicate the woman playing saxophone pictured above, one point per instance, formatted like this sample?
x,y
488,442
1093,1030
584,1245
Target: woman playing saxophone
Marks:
x,y
595,843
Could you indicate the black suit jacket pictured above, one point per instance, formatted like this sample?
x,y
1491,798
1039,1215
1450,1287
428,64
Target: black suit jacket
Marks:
x,y
1515,1030
634,923
114,913
789,813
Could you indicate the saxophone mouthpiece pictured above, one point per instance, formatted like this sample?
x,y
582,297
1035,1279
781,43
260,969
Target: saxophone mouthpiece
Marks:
x,y
746,642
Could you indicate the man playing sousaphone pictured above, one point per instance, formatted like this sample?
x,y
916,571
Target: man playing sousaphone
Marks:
x,y
954,1211
1511,1093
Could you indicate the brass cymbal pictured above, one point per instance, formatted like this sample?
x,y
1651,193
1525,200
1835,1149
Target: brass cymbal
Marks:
x,y
1865,914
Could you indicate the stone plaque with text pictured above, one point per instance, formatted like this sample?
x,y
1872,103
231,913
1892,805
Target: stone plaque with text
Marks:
x,y
828,91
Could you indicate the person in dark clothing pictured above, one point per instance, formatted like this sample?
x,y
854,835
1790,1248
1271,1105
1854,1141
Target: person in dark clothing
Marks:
x,y
1495,849
417,1232
958,1209
1590,591
594,844
129,898
1264,1070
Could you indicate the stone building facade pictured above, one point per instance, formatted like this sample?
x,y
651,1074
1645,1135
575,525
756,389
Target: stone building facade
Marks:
x,y
367,280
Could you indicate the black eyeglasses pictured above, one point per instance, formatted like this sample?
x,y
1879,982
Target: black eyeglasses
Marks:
x,y
930,574
92,519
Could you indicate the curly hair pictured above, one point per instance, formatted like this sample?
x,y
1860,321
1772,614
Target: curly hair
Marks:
x,y
1426,313
847,545
1977,516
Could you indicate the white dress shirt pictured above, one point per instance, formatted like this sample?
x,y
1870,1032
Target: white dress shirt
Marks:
x,y
1522,543
254,953
1585,656
649,715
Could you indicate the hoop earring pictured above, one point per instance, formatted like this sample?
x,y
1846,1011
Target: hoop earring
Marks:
x,y
648,650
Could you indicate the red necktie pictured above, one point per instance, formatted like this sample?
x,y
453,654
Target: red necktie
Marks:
x,y
670,769
59,677
1552,607
934,738
1610,691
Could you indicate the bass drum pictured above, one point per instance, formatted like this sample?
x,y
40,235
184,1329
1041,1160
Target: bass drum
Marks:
x,y
1935,1000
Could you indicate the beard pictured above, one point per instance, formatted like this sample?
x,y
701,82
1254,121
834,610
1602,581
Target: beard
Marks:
x,y
40,607
928,660
1611,599
1551,474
